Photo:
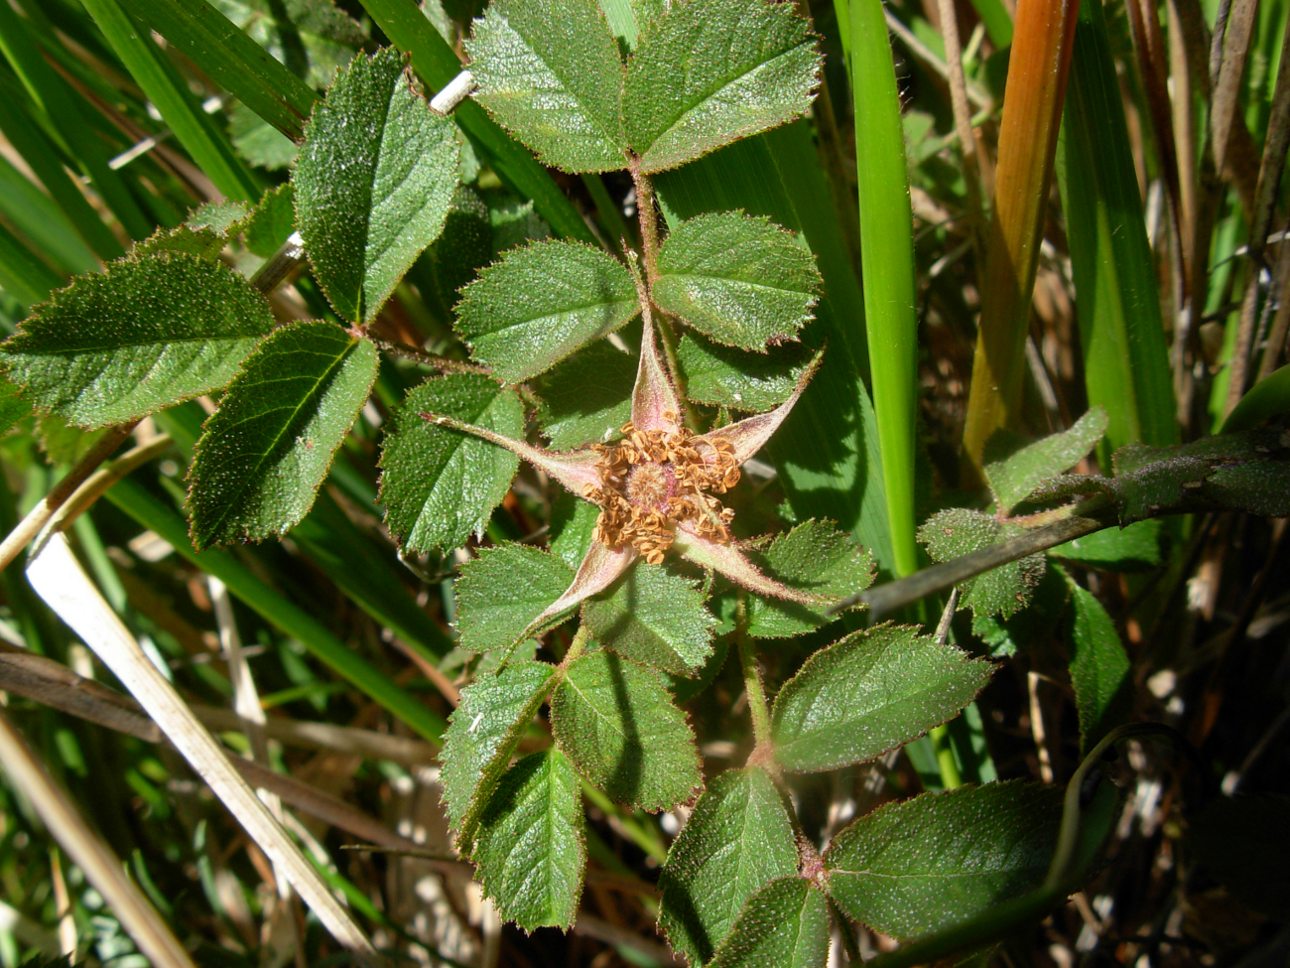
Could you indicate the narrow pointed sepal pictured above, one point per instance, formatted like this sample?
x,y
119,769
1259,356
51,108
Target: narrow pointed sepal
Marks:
x,y
748,436
575,469
600,568
733,564
654,397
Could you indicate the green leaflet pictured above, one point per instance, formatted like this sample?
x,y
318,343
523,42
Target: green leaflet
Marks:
x,y
529,853
1015,477
737,840
574,522
814,556
12,407
504,589
1005,590
617,722
481,736
711,71
549,71
873,691
439,486
373,183
916,866
540,303
656,617
741,280
1099,668
143,335
264,453
785,924
725,377
586,398
1136,546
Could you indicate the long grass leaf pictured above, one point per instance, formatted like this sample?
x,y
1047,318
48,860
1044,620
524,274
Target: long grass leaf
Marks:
x,y
1126,365
22,274
887,265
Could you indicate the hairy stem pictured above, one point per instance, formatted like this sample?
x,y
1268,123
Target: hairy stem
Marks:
x,y
758,708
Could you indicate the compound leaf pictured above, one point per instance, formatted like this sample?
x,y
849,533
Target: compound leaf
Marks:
x,y
738,839
549,71
264,453
741,280
785,924
143,335
711,71
653,616
373,183
439,485
617,722
923,864
481,736
504,589
872,691
540,303
818,558
1005,590
530,852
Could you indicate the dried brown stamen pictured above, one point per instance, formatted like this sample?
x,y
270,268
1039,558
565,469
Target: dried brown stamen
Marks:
x,y
654,480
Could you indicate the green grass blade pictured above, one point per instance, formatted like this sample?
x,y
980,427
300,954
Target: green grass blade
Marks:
x,y
35,215
194,129
997,20
828,454
410,30
887,266
132,498
53,98
232,59
1126,366
22,274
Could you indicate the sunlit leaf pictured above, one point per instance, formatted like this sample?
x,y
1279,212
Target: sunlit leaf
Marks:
x,y
373,183
549,71
141,336
653,616
741,280
785,924
264,453
617,722
913,867
586,398
439,485
711,71
1015,477
504,589
726,377
737,840
529,853
540,303
874,690
1004,590
481,736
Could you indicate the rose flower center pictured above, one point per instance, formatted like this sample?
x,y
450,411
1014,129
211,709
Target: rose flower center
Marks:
x,y
653,480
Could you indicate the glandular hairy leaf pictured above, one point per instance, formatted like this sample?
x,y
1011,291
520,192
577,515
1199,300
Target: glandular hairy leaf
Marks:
x,y
482,734
1005,590
739,279
550,72
656,617
504,589
785,924
264,453
710,71
438,485
529,852
617,722
541,303
587,398
737,840
726,377
819,558
1014,478
1099,668
873,691
143,335
373,183
939,859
